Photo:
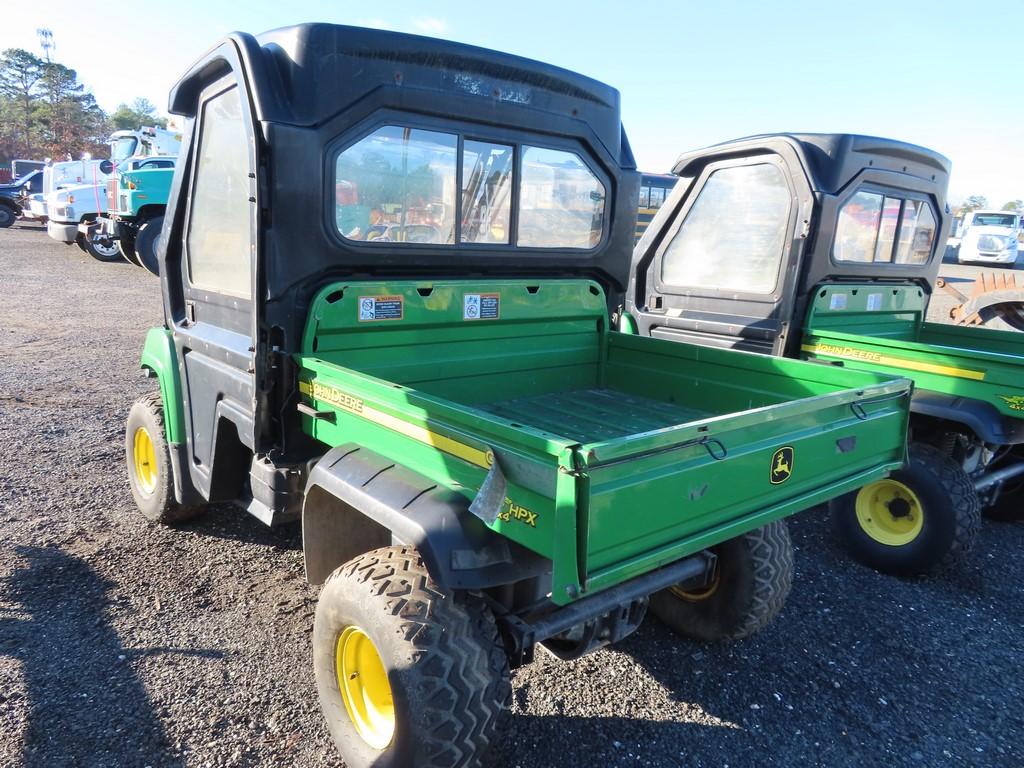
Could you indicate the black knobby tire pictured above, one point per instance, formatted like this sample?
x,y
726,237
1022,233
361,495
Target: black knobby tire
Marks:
x,y
146,242
7,216
753,577
444,659
950,511
155,499
81,242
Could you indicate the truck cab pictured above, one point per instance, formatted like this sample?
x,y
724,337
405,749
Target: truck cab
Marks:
x,y
387,272
136,199
60,175
989,237
827,247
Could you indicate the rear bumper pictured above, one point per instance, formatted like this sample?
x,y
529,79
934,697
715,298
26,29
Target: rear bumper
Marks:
x,y
65,232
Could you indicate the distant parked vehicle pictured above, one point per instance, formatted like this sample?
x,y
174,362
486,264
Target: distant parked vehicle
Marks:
x,y
990,237
74,210
14,197
654,191
145,142
21,168
135,201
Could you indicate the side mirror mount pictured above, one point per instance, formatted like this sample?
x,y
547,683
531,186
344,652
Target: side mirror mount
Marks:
x,y
106,166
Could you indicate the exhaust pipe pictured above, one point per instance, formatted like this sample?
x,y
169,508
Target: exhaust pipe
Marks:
x,y
999,476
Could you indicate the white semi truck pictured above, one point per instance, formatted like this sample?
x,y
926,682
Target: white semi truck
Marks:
x,y
990,237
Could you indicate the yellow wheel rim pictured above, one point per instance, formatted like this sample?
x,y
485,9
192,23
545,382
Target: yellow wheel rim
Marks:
x,y
144,459
364,687
889,512
698,595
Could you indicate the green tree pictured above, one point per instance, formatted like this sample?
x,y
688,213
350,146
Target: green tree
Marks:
x,y
139,113
20,75
1014,205
70,120
972,203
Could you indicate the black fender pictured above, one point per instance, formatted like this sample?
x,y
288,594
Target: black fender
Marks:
x,y
982,418
357,500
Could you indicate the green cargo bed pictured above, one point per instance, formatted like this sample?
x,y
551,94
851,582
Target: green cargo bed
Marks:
x,y
617,453
882,329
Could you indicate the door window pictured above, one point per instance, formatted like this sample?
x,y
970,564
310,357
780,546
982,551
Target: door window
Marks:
x,y
734,236
219,250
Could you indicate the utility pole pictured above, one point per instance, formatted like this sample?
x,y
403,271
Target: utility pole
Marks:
x,y
46,42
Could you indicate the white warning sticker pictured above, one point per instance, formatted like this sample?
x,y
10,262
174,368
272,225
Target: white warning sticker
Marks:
x,y
380,308
481,306
838,301
874,302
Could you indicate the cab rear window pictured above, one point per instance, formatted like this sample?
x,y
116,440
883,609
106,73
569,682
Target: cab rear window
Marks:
x,y
875,227
414,186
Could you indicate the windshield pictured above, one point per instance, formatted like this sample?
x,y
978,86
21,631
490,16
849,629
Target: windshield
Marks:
x,y
122,148
994,220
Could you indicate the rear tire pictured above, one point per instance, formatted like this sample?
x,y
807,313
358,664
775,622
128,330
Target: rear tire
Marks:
x,y
409,675
149,463
923,519
752,579
146,242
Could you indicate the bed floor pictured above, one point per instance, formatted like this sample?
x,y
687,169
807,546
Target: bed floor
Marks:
x,y
593,415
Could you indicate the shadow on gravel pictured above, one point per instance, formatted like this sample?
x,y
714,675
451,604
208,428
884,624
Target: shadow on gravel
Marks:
x,y
86,705
225,521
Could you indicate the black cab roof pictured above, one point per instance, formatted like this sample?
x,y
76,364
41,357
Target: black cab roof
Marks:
x,y
314,90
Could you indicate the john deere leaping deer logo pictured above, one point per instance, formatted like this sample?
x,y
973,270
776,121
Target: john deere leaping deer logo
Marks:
x,y
1016,402
782,465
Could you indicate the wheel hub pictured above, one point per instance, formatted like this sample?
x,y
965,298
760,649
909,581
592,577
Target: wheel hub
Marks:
x,y
889,512
364,686
144,461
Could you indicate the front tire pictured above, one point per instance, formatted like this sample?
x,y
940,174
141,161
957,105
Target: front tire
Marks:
x,y
101,249
922,519
7,216
752,578
149,463
126,246
409,675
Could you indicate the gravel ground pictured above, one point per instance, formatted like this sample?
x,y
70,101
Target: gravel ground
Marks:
x,y
127,644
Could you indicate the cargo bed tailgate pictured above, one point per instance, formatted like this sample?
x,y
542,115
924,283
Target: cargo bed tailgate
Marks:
x,y
650,497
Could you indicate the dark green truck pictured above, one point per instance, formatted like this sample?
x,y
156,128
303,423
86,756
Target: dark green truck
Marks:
x,y
387,277
828,247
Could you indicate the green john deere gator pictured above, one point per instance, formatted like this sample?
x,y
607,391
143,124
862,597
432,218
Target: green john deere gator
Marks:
x,y
387,277
827,247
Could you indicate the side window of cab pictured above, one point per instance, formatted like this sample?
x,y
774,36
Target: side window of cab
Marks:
x,y
218,241
875,227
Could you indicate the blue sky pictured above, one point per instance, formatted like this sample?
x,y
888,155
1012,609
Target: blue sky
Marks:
x,y
944,75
